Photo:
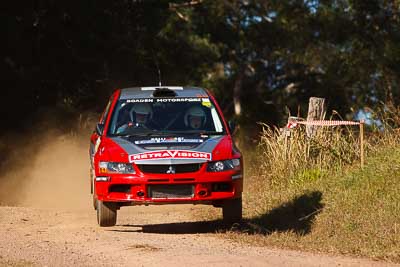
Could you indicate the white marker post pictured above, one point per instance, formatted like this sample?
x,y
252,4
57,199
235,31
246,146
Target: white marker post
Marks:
x,y
362,143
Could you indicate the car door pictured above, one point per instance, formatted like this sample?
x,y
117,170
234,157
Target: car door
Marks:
x,y
95,139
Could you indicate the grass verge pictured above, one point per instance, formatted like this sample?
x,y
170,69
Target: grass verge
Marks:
x,y
317,198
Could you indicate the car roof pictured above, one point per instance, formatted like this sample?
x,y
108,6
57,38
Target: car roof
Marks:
x,y
147,92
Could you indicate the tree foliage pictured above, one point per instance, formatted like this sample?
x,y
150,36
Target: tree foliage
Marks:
x,y
264,55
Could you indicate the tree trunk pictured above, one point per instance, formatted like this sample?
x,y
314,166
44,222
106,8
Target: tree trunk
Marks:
x,y
316,111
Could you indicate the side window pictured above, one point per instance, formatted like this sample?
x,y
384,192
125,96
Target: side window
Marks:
x,y
100,126
105,113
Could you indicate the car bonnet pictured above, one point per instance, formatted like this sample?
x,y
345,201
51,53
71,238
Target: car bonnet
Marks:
x,y
171,150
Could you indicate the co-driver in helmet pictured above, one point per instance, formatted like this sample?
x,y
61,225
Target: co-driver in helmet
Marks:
x,y
195,118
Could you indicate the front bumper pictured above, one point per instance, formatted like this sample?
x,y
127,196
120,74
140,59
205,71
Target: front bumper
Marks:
x,y
205,188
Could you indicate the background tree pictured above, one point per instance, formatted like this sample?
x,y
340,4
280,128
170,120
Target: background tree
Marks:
x,y
259,57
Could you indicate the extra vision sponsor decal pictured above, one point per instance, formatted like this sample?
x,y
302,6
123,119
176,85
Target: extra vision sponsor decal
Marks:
x,y
170,154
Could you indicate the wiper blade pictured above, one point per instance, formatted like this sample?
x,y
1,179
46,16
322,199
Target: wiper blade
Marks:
x,y
140,133
212,133
198,132
169,133
134,135
148,133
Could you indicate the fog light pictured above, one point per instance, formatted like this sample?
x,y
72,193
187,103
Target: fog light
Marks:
x,y
103,179
238,176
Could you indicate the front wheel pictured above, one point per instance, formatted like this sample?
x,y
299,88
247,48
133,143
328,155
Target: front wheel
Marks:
x,y
106,213
94,202
232,210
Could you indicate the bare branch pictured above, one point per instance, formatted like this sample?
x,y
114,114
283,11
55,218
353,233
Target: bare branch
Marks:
x,y
180,15
173,6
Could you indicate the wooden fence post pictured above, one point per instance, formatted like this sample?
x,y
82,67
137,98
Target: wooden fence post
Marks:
x,y
316,111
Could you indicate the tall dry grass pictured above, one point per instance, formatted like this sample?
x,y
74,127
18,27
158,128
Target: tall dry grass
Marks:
x,y
282,156
311,193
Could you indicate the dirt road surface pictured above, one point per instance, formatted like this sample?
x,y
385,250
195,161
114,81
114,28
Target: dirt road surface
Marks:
x,y
144,236
46,219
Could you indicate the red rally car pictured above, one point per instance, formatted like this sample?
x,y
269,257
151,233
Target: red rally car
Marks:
x,y
164,145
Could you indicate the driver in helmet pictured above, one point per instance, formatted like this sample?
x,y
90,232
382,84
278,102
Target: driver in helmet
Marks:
x,y
195,118
139,115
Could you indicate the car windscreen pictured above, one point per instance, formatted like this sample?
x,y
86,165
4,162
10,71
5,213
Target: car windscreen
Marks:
x,y
165,116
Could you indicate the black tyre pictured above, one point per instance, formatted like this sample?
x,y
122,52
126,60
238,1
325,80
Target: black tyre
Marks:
x,y
94,198
93,190
94,202
232,210
106,213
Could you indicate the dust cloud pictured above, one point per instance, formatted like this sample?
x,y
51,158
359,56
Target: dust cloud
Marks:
x,y
50,170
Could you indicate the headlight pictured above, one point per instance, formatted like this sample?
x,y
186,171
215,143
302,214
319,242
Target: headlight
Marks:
x,y
115,167
223,165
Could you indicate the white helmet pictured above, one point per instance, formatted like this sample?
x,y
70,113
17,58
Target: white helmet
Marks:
x,y
198,112
141,109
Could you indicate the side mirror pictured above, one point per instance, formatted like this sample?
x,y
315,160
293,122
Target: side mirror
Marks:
x,y
99,128
232,126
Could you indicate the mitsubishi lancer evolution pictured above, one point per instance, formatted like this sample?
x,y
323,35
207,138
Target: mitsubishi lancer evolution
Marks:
x,y
164,145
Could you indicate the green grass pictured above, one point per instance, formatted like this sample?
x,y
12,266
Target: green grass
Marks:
x,y
317,198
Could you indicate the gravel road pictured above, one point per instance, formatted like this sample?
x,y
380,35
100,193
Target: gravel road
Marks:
x,y
46,219
143,236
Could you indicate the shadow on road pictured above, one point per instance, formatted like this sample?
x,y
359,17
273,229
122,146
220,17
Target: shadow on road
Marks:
x,y
296,216
177,228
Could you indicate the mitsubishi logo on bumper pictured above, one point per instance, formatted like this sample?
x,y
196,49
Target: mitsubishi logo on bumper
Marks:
x,y
171,170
